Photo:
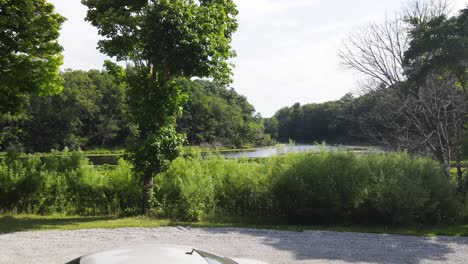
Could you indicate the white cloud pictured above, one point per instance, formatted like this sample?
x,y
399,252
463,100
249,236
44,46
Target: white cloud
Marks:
x,y
257,9
78,37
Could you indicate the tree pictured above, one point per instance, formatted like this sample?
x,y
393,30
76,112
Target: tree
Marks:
x,y
416,64
440,47
440,43
271,127
166,40
216,115
29,52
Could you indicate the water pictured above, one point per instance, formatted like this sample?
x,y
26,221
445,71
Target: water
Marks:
x,y
284,149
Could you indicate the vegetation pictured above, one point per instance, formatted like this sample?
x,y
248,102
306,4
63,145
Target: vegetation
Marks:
x,y
29,52
215,116
92,114
332,122
415,102
416,65
66,184
325,188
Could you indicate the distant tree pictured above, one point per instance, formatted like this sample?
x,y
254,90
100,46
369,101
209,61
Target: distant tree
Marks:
x,y
29,52
216,115
90,112
166,40
271,127
333,121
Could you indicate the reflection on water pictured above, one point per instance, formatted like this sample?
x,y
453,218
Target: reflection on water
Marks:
x,y
284,149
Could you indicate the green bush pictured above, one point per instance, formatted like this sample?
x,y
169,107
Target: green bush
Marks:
x,y
193,188
320,188
65,184
343,187
123,192
325,188
242,188
406,189
186,192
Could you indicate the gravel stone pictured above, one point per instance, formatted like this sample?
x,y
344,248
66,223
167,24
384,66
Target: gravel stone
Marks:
x,y
48,247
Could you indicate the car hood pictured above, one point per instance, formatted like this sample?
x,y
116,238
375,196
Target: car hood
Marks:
x,y
145,255
248,261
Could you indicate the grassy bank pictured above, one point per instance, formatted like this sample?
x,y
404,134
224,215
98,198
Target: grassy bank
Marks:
x,y
17,223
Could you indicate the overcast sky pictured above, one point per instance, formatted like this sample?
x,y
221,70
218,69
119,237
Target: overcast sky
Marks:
x,y
286,49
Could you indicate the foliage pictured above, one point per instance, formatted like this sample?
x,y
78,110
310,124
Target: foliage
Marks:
x,y
214,115
440,43
90,112
93,113
65,184
334,121
172,38
325,188
29,54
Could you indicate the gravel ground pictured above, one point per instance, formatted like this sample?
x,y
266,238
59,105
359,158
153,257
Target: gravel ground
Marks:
x,y
46,247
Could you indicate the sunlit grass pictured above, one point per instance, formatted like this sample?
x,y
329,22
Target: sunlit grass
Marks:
x,y
16,223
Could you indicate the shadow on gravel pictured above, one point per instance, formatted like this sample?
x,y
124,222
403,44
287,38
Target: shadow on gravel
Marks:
x,y
10,224
356,247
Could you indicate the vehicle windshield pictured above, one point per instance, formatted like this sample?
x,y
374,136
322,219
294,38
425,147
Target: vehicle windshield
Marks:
x,y
213,259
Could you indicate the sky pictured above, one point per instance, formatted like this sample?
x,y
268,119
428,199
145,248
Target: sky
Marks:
x,y
286,49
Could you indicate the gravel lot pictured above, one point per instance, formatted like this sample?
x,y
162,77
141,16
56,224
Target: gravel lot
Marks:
x,y
48,247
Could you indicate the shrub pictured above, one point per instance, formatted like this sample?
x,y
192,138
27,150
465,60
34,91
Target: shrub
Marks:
x,y
185,190
405,189
319,188
326,188
65,184
242,187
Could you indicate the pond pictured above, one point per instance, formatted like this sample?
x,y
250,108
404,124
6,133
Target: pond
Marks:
x,y
284,149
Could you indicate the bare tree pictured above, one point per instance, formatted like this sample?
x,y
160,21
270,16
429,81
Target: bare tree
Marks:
x,y
429,118
423,11
377,50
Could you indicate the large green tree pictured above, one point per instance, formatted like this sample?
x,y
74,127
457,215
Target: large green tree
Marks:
x,y
29,52
166,40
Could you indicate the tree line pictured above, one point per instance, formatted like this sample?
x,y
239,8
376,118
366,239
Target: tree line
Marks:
x,y
92,112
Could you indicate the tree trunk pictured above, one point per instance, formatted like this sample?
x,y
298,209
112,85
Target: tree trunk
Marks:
x,y
148,184
461,187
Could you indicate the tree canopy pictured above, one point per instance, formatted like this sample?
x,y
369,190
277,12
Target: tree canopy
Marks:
x,y
440,43
29,52
170,38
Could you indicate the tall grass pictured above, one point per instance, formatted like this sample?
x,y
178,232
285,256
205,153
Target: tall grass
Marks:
x,y
324,188
65,184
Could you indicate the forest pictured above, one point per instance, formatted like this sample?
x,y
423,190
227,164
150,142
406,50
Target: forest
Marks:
x,y
92,112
